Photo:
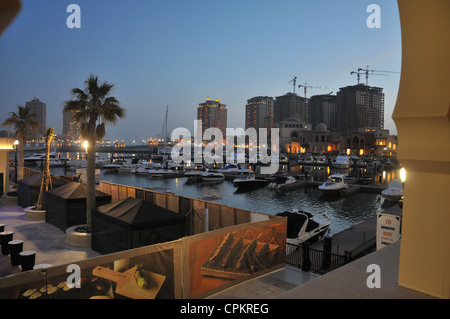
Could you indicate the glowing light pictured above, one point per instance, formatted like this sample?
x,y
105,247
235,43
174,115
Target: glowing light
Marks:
x,y
402,175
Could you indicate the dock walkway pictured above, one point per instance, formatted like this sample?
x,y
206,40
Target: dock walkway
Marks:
x,y
358,237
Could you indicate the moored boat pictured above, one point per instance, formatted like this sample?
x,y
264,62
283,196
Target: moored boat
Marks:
x,y
394,192
230,168
342,161
249,181
212,176
334,185
119,166
281,180
303,226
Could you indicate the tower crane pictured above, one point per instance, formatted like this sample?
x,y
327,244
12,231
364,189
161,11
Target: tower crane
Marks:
x,y
312,87
293,80
366,71
358,74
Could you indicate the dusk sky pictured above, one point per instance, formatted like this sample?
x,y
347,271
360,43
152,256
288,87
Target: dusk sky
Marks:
x,y
179,52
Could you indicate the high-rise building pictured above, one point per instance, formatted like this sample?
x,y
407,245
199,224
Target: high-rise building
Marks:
x,y
323,109
39,108
212,114
259,113
71,129
360,106
290,105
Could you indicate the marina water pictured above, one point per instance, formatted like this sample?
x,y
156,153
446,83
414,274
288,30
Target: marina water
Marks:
x,y
342,211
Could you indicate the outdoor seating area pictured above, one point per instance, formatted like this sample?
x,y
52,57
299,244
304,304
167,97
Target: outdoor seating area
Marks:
x,y
165,235
14,249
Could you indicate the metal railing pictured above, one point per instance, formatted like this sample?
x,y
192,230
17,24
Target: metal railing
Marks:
x,y
317,261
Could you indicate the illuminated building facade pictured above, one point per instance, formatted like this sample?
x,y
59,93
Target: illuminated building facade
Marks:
x,y
39,108
290,105
71,129
259,113
212,114
323,109
360,106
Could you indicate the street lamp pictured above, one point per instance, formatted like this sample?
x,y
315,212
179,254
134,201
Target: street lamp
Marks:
x,y
85,145
402,174
16,144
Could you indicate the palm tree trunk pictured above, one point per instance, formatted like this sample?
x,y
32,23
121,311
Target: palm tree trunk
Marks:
x,y
20,162
45,176
90,184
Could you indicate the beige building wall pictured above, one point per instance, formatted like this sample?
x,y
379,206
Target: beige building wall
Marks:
x,y
6,146
422,117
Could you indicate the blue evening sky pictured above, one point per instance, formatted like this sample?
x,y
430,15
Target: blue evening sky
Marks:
x,y
179,52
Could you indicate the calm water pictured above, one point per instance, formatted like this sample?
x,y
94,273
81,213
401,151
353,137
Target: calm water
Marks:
x,y
343,211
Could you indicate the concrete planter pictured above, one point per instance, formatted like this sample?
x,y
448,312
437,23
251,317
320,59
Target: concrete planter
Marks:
x,y
77,237
33,214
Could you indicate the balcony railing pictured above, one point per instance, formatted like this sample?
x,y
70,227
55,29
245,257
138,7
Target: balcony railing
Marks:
x,y
317,261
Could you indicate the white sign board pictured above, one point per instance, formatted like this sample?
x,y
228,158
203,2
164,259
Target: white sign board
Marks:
x,y
388,229
82,175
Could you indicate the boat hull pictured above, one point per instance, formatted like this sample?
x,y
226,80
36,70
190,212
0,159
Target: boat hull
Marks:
x,y
332,192
212,179
250,184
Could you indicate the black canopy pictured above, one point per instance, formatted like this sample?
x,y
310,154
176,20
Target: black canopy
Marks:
x,y
74,191
135,214
66,205
131,223
29,188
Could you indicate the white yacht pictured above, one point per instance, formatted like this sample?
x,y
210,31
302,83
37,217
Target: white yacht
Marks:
x,y
34,158
308,160
394,192
334,185
342,161
230,168
119,166
249,181
303,226
212,176
145,169
53,161
195,173
281,180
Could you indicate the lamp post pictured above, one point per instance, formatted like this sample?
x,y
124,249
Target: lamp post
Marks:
x,y
85,145
16,144
402,175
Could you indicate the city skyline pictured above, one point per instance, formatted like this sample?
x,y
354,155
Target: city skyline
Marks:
x,y
180,53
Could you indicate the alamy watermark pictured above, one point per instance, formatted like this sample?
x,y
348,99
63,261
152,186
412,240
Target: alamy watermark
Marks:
x,y
74,19
374,19
374,279
213,152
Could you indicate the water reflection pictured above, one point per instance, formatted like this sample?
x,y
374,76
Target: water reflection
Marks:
x,y
342,211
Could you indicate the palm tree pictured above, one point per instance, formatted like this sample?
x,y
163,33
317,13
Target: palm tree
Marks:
x,y
22,121
93,107
46,180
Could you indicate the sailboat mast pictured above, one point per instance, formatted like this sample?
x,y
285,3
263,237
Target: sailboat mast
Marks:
x,y
165,127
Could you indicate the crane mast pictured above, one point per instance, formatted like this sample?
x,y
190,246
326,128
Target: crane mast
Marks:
x,y
312,87
377,72
293,80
